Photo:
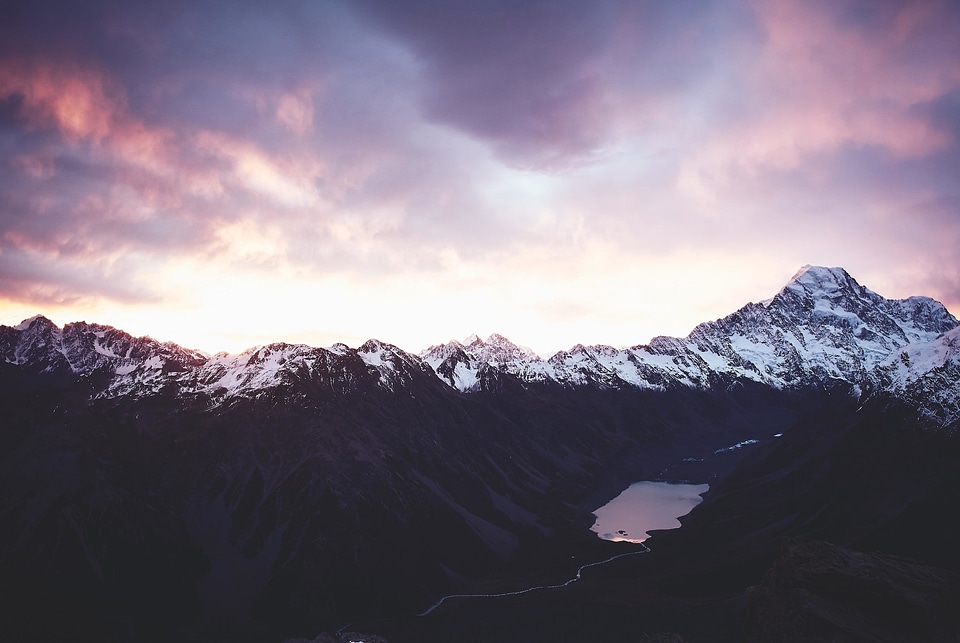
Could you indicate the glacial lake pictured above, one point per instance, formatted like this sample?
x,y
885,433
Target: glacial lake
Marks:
x,y
645,506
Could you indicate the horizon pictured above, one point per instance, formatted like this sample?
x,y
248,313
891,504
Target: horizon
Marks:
x,y
465,340
599,173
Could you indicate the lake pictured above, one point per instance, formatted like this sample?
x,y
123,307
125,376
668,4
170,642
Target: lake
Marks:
x,y
645,506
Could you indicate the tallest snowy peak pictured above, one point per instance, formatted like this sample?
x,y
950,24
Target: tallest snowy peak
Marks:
x,y
816,271
822,298
818,279
829,286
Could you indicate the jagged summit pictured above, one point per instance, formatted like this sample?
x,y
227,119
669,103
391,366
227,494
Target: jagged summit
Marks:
x,y
27,323
495,344
818,285
461,365
810,273
820,282
831,296
499,349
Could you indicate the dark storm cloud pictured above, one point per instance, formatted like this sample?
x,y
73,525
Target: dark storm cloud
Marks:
x,y
543,81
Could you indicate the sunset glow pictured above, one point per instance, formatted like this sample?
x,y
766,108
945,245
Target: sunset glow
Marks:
x,y
224,176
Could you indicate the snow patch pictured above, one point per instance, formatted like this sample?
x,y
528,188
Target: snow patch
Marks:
x,y
154,362
738,445
125,369
103,350
378,359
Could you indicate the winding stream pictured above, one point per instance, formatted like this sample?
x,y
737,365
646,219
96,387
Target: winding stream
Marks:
x,y
535,588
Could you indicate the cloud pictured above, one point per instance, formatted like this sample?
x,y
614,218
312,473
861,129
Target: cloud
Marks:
x,y
546,84
74,100
295,111
464,146
823,81
32,277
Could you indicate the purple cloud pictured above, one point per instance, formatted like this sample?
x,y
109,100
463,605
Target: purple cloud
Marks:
x,y
542,82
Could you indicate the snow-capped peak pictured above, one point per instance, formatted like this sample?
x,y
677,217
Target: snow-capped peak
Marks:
x,y
376,353
27,323
817,273
339,349
822,282
460,365
499,349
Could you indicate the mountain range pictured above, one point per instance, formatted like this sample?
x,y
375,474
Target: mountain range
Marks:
x,y
822,327
156,492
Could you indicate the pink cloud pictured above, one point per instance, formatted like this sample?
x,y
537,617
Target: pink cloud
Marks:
x,y
85,104
295,111
79,102
817,85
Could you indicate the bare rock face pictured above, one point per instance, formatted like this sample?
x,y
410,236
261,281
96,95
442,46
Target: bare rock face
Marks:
x,y
817,591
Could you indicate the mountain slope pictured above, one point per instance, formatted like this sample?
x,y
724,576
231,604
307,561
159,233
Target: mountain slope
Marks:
x,y
927,374
153,491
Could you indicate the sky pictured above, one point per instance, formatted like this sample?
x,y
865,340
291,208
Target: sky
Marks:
x,y
228,174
